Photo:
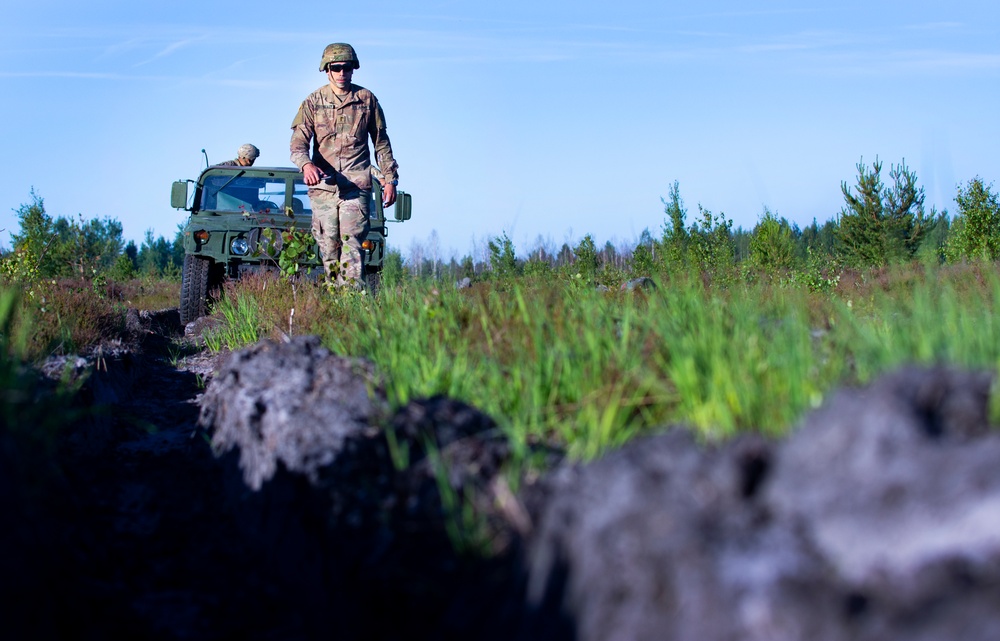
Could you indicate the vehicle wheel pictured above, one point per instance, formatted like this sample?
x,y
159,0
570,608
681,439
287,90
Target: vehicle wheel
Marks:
x,y
373,281
194,288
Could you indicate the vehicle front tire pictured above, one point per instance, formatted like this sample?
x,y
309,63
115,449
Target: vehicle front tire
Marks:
x,y
194,288
373,282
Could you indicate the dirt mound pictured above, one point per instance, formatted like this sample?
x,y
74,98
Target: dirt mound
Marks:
x,y
361,512
292,404
878,519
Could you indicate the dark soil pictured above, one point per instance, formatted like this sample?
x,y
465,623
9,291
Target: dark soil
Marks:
x,y
272,494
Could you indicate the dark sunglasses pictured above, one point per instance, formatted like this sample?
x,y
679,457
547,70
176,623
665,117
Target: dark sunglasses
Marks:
x,y
339,68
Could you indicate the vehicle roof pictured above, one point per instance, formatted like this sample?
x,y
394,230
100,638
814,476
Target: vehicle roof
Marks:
x,y
254,169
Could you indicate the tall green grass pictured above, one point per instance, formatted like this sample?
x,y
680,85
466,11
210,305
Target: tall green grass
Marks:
x,y
241,324
588,370
946,318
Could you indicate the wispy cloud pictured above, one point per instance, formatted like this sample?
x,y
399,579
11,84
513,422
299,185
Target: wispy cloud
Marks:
x,y
72,74
929,60
120,77
934,26
773,47
830,52
169,49
808,40
122,47
752,13
905,62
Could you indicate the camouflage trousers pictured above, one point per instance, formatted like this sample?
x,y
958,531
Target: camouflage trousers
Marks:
x,y
339,225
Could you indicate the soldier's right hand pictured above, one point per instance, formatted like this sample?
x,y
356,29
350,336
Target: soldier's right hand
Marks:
x,y
311,175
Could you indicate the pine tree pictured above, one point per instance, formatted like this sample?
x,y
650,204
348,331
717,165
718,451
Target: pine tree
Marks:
x,y
881,224
861,241
675,234
904,213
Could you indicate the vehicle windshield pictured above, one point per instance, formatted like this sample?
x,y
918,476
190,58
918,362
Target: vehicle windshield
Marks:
x,y
233,193
300,201
244,194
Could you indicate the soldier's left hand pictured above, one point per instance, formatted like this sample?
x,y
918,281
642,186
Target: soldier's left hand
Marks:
x,y
388,195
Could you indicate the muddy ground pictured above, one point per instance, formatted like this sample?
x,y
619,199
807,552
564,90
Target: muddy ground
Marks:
x,y
272,494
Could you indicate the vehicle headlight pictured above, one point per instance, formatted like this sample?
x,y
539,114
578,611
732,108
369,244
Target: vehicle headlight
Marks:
x,y
240,246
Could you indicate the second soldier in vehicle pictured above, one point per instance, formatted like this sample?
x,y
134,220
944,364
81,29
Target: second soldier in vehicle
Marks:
x,y
245,156
338,119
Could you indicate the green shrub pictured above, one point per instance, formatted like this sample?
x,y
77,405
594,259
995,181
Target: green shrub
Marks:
x,y
976,229
818,274
772,249
21,267
642,263
711,246
586,260
503,260
123,269
393,272
297,246
537,268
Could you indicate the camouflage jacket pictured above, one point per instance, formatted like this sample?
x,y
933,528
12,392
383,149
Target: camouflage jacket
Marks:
x,y
228,163
339,132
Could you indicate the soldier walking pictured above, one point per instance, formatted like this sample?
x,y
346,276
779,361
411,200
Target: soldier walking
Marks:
x,y
338,119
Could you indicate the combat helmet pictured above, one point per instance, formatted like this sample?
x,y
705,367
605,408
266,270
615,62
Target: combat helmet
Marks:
x,y
248,151
338,52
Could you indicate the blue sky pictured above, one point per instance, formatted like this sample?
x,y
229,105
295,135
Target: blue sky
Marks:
x,y
544,121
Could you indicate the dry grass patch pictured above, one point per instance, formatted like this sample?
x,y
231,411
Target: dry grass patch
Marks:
x,y
145,293
68,316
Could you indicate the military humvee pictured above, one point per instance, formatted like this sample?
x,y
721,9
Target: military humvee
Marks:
x,y
232,207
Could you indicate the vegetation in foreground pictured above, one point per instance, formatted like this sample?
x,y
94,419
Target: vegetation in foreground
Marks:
x,y
561,361
584,348
744,331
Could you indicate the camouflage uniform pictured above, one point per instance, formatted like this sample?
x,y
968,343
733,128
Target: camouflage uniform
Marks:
x,y
339,128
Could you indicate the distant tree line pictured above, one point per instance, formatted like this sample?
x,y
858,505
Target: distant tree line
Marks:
x,y
61,247
882,222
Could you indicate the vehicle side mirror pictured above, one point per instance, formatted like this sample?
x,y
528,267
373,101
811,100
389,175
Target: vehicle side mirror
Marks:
x,y
179,195
402,207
